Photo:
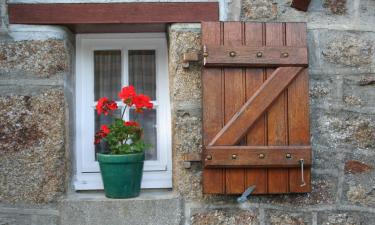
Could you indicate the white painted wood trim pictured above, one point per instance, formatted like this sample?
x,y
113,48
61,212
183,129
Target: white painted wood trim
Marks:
x,y
157,174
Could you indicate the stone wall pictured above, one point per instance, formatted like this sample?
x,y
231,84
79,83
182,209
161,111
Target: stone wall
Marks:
x,y
341,39
36,108
35,104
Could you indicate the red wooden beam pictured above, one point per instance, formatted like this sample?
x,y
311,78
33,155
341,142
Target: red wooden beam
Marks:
x,y
302,5
114,13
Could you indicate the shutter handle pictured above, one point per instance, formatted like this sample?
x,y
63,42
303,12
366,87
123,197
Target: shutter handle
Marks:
x,y
261,156
259,54
234,156
303,183
208,157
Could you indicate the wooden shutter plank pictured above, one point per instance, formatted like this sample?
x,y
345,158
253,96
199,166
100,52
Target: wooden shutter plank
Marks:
x,y
298,109
254,36
239,124
277,179
234,98
212,81
247,56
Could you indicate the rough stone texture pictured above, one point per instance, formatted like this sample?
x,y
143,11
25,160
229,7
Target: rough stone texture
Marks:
x,y
366,11
35,62
349,50
326,159
275,217
259,9
335,6
98,210
351,92
341,52
281,10
343,129
359,183
225,217
32,147
358,91
185,88
346,218
331,14
325,90
43,58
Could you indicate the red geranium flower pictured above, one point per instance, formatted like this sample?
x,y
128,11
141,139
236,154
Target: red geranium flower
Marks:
x,y
131,123
104,106
98,138
126,134
104,131
127,94
141,102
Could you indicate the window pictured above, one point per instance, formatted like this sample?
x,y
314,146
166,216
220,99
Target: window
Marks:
x,y
105,63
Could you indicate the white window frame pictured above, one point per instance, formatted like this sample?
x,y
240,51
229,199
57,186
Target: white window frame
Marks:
x,y
158,173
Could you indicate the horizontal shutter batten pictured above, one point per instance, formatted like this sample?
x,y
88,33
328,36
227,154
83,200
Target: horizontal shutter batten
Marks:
x,y
257,156
249,56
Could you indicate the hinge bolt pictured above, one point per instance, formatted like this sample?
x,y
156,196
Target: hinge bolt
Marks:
x,y
205,54
209,157
261,156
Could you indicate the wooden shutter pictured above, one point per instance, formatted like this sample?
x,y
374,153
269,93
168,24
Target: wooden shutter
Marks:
x,y
255,108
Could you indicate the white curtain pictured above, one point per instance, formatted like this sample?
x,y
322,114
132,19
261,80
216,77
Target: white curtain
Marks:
x,y
142,75
107,83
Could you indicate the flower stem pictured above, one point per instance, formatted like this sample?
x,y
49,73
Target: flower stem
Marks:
x,y
123,113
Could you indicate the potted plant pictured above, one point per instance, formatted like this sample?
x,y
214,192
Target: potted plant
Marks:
x,y
121,166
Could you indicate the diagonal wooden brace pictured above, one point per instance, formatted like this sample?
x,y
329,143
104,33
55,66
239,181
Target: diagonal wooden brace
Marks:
x,y
240,123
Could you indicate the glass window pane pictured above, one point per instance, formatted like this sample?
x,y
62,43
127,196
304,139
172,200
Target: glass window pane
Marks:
x,y
142,71
107,73
99,121
148,122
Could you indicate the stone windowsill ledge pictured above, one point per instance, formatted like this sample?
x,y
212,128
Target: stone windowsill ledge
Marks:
x,y
151,207
154,194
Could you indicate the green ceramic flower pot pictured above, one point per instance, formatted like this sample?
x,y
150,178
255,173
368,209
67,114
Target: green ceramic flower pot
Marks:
x,y
121,174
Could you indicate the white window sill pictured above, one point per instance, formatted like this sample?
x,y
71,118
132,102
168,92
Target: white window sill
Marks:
x,y
149,194
150,180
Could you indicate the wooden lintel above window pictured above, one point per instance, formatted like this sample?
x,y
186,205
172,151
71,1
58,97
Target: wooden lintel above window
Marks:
x,y
117,28
113,13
